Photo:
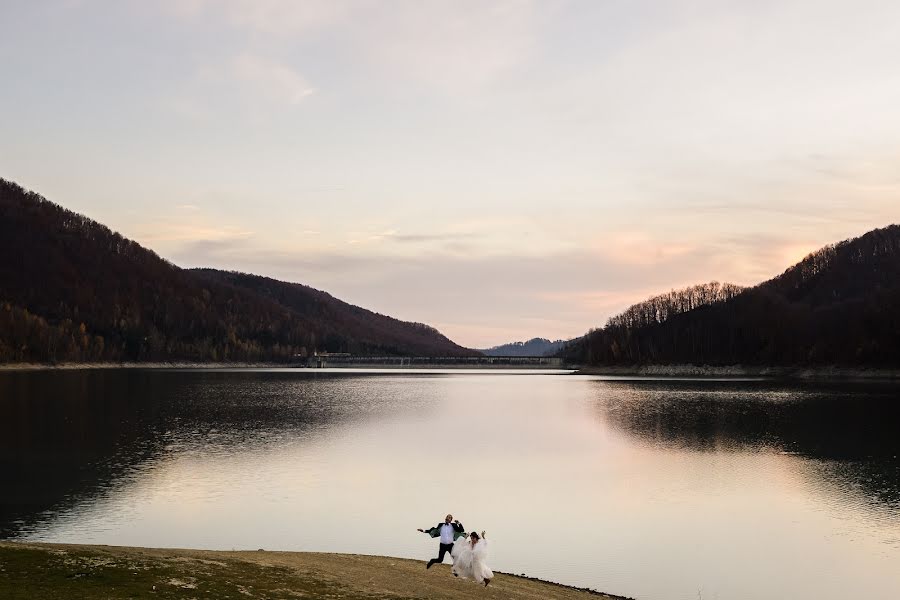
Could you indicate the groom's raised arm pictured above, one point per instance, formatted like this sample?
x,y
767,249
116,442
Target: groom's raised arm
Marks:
x,y
458,526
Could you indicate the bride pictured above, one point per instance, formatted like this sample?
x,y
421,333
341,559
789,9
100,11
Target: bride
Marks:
x,y
470,558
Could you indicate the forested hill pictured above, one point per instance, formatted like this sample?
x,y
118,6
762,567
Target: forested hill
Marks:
x,y
73,290
533,347
372,332
839,306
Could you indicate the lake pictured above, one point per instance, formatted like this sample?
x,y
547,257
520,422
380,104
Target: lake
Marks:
x,y
656,489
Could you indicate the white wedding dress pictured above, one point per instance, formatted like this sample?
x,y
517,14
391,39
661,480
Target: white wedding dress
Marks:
x,y
470,561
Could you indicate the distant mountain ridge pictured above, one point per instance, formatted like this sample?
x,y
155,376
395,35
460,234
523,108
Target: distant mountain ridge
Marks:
x,y
73,290
838,306
533,347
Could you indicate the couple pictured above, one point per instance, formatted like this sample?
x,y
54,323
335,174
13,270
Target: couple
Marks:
x,y
469,551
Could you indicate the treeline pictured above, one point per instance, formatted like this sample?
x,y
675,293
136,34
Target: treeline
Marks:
x,y
372,333
73,290
836,307
533,347
661,308
25,331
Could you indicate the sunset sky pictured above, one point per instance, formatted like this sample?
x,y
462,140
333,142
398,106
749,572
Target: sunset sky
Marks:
x,y
499,170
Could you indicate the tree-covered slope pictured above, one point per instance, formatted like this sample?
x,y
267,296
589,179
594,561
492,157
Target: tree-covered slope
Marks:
x,y
73,290
839,306
533,347
371,332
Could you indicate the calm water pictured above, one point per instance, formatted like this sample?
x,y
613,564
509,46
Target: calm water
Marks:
x,y
652,489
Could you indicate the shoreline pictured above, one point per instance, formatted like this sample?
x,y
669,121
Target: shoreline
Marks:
x,y
38,569
374,368
829,373
142,365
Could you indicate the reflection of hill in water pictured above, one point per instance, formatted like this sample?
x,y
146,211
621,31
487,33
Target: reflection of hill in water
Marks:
x,y
854,425
71,436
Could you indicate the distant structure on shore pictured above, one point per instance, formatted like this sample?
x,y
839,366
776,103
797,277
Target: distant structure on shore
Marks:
x,y
321,360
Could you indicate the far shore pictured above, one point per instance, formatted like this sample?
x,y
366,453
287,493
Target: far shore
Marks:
x,y
701,371
40,570
142,365
245,365
740,371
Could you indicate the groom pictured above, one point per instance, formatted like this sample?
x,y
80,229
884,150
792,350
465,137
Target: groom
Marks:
x,y
448,531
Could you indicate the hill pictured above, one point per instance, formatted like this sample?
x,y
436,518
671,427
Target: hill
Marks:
x,y
372,332
838,306
533,347
72,290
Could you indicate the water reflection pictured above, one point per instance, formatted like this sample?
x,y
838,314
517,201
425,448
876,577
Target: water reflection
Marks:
x,y
71,437
853,425
687,481
66,436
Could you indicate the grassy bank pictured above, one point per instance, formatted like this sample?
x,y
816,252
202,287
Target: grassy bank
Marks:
x,y
50,571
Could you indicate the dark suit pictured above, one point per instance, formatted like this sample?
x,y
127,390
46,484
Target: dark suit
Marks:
x,y
443,549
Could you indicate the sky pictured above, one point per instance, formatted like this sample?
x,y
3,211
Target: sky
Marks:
x,y
500,170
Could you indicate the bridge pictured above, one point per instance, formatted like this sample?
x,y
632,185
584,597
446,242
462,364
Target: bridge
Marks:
x,y
336,360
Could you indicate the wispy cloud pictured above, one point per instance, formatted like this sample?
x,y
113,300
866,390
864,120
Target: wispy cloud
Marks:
x,y
276,80
248,83
418,238
369,237
168,231
269,17
447,243
453,46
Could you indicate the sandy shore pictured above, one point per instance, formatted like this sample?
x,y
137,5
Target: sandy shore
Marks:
x,y
31,570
